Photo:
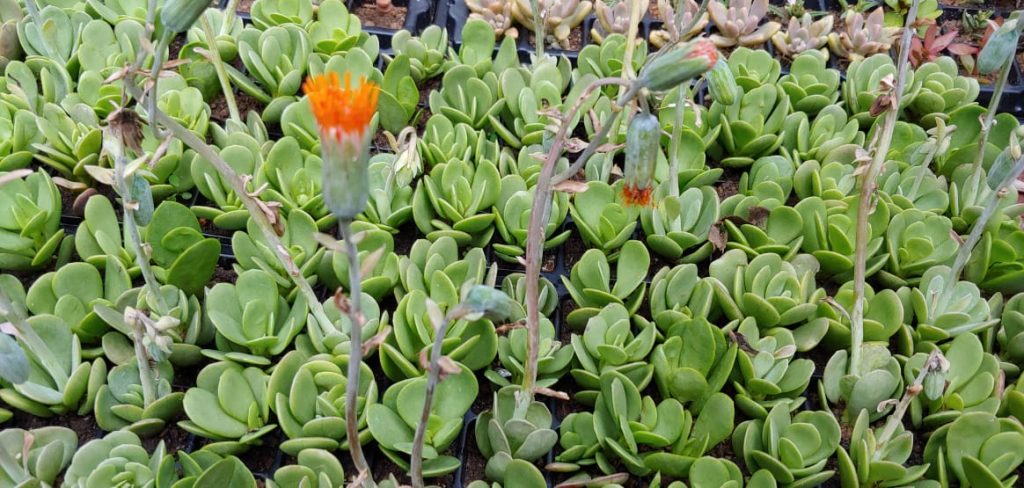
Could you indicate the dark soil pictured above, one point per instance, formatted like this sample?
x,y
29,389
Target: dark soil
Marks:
x,y
574,249
474,464
85,427
174,438
575,39
175,47
223,275
372,16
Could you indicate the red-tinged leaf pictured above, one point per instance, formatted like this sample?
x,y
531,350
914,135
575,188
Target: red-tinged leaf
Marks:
x,y
962,49
940,43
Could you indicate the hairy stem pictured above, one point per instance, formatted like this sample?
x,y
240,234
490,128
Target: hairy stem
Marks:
x,y
142,358
540,213
222,74
433,377
538,29
355,354
990,116
896,419
867,192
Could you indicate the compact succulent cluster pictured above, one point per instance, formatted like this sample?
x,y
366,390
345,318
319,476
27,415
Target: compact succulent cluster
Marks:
x,y
676,255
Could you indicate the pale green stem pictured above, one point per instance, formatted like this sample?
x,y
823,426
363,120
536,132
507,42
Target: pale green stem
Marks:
x,y
222,74
145,372
896,418
990,115
867,193
538,30
355,355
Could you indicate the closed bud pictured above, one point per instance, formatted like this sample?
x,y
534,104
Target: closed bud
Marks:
x,y
642,143
722,84
484,301
178,16
999,49
683,63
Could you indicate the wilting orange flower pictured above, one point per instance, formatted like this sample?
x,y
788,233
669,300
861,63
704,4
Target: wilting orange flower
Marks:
x,y
635,195
340,108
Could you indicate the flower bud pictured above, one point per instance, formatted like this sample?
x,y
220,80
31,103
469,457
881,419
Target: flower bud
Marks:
x,y
678,65
642,144
1000,47
488,302
178,16
722,84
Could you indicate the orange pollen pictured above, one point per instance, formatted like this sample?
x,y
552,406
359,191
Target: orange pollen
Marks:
x,y
339,107
704,48
636,196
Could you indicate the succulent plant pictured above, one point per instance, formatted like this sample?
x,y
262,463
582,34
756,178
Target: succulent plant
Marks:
x,y
527,94
608,343
693,363
970,384
18,128
252,320
916,241
996,262
297,235
811,86
189,336
940,314
766,372
864,35
293,181
604,223
444,140
379,281
10,15
230,406
36,455
871,460
455,200
120,404
767,184
863,86
883,316
227,212
184,257
916,187
753,68
773,291
977,448
677,293
427,52
335,29
516,428
307,395
467,96
119,459
927,11
204,468
613,17
794,448
276,58
778,233
269,13
58,38
877,379
30,222
606,59
512,215
804,34
1011,335
668,16
678,227
393,421
739,23
751,128
829,231
559,18
495,15
589,282
314,468
72,292
942,90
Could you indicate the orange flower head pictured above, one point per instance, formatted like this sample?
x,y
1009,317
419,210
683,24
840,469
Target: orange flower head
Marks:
x,y
340,108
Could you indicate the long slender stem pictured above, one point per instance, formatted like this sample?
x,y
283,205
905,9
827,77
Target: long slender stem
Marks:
x,y
990,116
931,365
433,376
154,78
538,30
145,372
867,192
540,213
355,355
222,74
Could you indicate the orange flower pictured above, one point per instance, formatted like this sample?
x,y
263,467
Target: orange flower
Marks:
x,y
340,108
637,196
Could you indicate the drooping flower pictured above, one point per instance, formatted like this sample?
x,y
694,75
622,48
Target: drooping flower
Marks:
x,y
678,65
344,113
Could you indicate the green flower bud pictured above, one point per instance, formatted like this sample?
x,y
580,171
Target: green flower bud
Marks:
x,y
722,84
678,65
179,15
642,144
1000,47
485,301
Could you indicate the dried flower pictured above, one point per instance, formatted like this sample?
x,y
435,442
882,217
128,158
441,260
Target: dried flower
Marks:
x,y
344,113
642,145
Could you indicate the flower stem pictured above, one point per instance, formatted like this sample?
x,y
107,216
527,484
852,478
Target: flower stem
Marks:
x,y
433,377
538,30
541,211
145,372
867,192
896,418
990,115
222,74
355,355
